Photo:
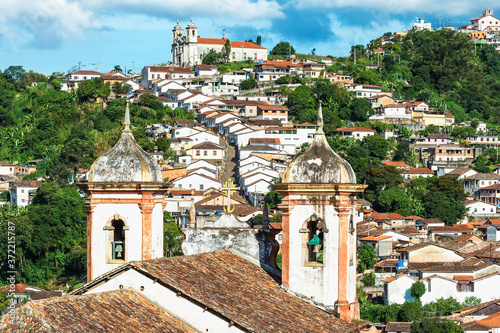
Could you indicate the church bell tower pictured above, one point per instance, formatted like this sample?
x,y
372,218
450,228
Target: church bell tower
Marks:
x,y
125,202
319,234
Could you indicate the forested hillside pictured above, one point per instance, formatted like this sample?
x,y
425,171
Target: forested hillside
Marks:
x,y
68,130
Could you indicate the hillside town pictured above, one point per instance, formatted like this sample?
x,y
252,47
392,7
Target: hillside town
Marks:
x,y
236,183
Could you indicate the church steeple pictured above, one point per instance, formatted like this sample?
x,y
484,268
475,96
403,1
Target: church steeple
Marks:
x,y
126,122
319,192
121,230
319,130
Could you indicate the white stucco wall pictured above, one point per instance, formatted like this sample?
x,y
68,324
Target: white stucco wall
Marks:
x,y
320,283
180,307
398,291
132,216
433,253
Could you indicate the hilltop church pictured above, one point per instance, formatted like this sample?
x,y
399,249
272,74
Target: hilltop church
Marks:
x,y
132,287
189,49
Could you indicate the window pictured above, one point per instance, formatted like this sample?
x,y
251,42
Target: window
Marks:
x,y
244,55
215,152
205,153
465,286
197,153
314,239
118,243
201,186
22,190
234,55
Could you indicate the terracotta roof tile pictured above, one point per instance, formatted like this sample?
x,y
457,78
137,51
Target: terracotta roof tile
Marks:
x,y
239,291
419,171
115,311
401,327
395,163
352,129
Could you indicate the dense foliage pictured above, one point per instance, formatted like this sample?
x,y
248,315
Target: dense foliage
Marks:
x,y
50,237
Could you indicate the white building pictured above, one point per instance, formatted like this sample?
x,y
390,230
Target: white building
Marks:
x,y
22,193
421,25
195,181
480,210
7,169
366,90
189,49
358,133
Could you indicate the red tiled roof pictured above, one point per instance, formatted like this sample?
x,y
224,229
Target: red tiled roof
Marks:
x,y
272,107
395,216
352,129
238,291
222,41
180,70
374,238
85,72
387,263
114,311
206,67
453,228
419,171
392,278
395,163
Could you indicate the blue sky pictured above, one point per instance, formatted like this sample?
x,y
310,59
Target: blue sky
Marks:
x,y
55,35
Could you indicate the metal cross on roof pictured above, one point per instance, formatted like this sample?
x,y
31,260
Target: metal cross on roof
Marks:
x,y
230,188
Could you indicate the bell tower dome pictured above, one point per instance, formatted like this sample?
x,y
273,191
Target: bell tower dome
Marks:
x,y
319,234
125,202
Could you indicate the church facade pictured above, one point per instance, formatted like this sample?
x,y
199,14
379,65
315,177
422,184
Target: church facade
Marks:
x,y
188,49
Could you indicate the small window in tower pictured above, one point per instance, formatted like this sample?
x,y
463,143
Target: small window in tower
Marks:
x,y
315,238
193,32
118,243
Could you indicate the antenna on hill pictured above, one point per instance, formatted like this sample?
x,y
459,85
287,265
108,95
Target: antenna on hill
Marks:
x,y
91,66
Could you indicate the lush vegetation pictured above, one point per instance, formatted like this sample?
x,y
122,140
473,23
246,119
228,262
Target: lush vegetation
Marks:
x,y
66,131
408,311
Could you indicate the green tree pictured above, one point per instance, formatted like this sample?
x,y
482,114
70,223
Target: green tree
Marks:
x,y
226,50
300,101
394,199
117,68
471,300
173,236
361,109
282,48
377,146
213,58
259,40
367,258
249,83
163,143
368,280
411,311
446,305
435,325
417,290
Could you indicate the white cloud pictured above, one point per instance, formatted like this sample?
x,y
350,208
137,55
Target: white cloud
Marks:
x,y
43,21
242,10
348,35
442,8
